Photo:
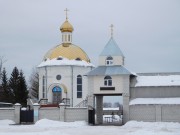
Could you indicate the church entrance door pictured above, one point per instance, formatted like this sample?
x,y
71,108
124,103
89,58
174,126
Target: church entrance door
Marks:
x,y
57,95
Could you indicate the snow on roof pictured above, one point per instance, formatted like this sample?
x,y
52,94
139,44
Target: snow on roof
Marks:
x,y
65,61
140,101
168,80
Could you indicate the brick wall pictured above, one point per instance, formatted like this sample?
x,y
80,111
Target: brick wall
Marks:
x,y
7,113
76,114
152,113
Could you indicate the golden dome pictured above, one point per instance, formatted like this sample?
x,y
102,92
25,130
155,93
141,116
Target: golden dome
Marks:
x,y
70,52
66,27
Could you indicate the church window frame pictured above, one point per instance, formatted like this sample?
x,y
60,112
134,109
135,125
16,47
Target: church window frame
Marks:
x,y
69,38
109,60
107,81
65,38
79,86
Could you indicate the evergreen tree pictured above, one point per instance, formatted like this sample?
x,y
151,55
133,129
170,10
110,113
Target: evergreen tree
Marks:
x,y
18,87
22,89
13,84
6,93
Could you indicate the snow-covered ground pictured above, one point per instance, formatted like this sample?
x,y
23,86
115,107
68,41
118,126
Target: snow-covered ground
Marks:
x,y
48,127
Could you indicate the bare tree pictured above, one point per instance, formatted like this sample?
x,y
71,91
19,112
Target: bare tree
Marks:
x,y
34,84
116,104
2,61
107,105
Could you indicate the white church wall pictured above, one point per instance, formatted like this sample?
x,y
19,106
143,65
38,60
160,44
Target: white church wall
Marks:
x,y
52,72
80,71
66,79
65,72
117,60
119,82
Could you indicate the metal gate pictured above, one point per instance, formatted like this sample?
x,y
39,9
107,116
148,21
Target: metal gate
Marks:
x,y
27,116
91,116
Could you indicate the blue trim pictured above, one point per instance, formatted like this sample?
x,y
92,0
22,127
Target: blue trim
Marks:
x,y
57,89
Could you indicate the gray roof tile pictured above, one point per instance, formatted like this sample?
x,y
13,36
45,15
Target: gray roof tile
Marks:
x,y
111,49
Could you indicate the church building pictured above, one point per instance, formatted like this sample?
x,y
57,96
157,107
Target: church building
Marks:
x,y
61,73
66,75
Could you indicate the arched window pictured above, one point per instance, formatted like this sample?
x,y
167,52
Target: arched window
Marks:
x,y
56,89
59,58
69,38
78,59
79,86
107,81
109,60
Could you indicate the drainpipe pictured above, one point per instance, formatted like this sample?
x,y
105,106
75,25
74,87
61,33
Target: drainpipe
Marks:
x,y
46,80
72,85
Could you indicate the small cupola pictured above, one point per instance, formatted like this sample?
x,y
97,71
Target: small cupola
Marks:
x,y
66,30
111,54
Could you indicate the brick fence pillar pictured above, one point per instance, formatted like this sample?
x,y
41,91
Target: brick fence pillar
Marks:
x,y
36,112
62,112
17,113
99,109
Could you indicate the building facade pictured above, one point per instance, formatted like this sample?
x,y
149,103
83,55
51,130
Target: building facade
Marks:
x,y
61,73
67,75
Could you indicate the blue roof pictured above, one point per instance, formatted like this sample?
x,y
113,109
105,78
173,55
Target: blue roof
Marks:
x,y
109,70
111,49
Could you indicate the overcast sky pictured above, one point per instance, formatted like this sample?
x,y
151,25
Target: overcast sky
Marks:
x,y
147,31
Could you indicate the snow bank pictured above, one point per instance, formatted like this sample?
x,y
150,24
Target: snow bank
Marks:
x,y
151,125
170,80
155,101
65,61
51,123
6,122
117,108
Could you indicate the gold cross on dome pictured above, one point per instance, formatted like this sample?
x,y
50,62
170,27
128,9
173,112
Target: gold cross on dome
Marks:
x,y
66,10
111,29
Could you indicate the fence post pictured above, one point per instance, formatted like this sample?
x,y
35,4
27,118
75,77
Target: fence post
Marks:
x,y
36,112
17,113
62,111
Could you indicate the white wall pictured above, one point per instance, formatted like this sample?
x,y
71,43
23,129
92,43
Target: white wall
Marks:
x,y
119,82
68,78
49,113
76,114
152,113
7,113
117,60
